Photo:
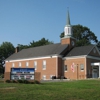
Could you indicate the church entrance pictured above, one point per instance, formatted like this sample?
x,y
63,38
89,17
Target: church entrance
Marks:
x,y
95,70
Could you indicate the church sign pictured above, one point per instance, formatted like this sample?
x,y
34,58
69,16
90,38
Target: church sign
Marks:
x,y
22,73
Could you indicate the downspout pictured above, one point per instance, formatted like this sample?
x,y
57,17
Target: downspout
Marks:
x,y
56,66
85,69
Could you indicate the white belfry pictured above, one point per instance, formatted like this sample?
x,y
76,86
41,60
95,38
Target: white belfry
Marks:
x,y
68,27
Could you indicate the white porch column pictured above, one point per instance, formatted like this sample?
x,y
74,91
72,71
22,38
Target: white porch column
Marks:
x,y
99,70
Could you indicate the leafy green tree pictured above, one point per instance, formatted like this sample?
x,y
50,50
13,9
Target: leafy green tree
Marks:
x,y
98,45
6,49
41,42
83,35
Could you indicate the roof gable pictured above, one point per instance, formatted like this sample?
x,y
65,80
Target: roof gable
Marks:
x,y
94,52
83,50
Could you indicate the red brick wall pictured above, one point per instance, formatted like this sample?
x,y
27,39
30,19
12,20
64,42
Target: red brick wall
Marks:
x,y
51,66
77,74
68,41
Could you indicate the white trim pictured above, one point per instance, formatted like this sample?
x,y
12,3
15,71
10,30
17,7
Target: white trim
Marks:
x,y
44,65
56,66
44,77
75,57
90,50
65,71
13,64
85,68
27,64
35,65
97,50
82,56
35,58
94,64
19,64
97,58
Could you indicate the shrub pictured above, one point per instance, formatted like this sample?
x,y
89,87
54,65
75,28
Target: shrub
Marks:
x,y
26,82
8,81
20,81
2,76
14,81
53,77
36,82
32,82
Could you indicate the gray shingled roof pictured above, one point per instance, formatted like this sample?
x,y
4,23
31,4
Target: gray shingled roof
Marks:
x,y
83,50
39,51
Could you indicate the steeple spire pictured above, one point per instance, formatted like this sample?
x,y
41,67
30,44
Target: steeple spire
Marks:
x,y
68,18
68,27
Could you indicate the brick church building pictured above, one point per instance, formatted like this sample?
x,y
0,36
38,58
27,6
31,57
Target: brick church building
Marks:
x,y
63,60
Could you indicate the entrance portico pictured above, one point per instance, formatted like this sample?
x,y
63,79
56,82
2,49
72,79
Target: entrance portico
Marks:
x,y
95,70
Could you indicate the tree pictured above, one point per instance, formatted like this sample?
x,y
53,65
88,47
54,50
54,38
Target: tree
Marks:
x,y
6,49
41,42
98,45
83,35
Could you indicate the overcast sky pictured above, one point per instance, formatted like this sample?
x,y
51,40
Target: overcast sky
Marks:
x,y
22,21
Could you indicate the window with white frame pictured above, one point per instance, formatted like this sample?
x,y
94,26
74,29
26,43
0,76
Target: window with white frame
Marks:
x,y
35,65
27,64
19,64
44,65
44,77
81,67
13,65
65,68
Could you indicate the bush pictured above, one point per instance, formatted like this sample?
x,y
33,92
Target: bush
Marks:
x,y
14,81
2,76
8,81
36,82
20,81
32,82
25,81
53,77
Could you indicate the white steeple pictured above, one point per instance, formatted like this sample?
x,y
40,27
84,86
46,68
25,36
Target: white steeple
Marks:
x,y
68,28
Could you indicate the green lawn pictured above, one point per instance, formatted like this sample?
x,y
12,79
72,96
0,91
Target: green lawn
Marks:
x,y
71,90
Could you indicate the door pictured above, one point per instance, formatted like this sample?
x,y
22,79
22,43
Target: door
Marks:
x,y
95,74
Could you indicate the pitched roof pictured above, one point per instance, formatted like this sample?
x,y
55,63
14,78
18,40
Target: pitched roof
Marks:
x,y
39,51
83,50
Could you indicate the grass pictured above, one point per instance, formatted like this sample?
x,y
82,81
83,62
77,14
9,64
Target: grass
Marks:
x,y
71,90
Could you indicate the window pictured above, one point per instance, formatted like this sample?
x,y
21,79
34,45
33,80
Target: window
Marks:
x,y
44,77
65,68
19,64
81,67
44,65
35,65
27,64
13,65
